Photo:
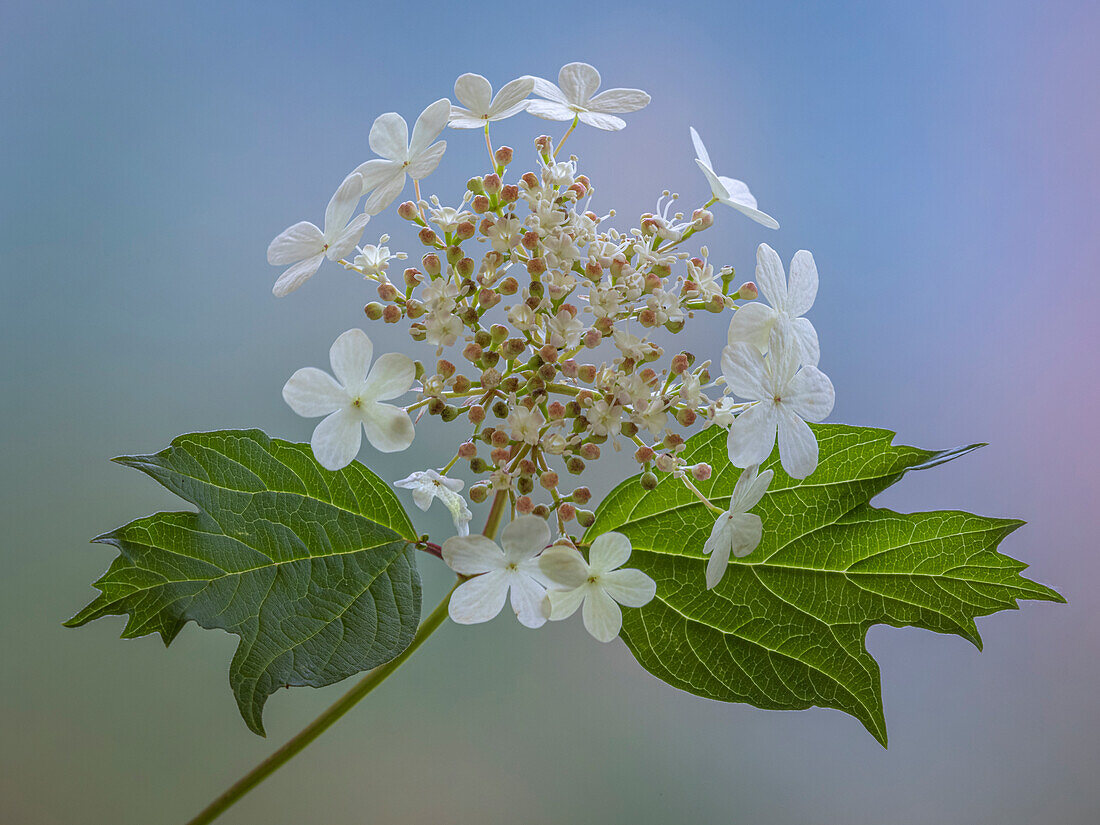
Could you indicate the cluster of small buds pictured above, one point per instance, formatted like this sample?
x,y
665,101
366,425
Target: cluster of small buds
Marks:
x,y
526,281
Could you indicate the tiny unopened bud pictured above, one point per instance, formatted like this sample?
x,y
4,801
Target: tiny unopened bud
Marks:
x,y
674,326
525,484
491,377
586,373
479,493
513,348
548,353
629,429
428,237
373,310
412,276
475,185
647,317
408,211
492,184
701,472
471,352
556,411
465,230
543,144
524,505
592,338
500,410
529,180
702,218
462,383
643,455
574,465
581,495
387,292
537,290
666,463
590,451
748,291
585,518
509,193
503,155
547,372
436,406
391,314
418,332
649,480
449,413
476,414
454,254
540,510
500,455
686,416
549,479
465,267
480,204
566,511
479,465
509,286
432,264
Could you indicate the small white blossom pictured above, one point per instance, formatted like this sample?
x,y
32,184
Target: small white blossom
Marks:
x,y
526,424
564,330
599,584
495,572
737,531
384,176
429,484
304,246
753,322
373,260
476,94
603,418
731,192
575,97
352,402
442,328
447,218
786,398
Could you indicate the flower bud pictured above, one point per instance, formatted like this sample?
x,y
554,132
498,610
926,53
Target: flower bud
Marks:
x,y
476,414
479,493
503,155
629,429
748,291
428,237
549,480
647,317
509,193
543,145
701,472
500,455
431,264
592,338
500,410
581,495
511,383
649,480
465,268
449,413
480,204
392,314
418,370
569,368
524,505
525,484
475,185
373,310
666,463
509,286
587,373
643,455
556,411
478,465
537,290
436,406
529,180
585,518
387,292
574,465
513,348
703,219
483,338
686,416
417,332
492,184
408,211
490,378
462,383
471,352
488,433
465,230
412,277
590,451
566,511
540,510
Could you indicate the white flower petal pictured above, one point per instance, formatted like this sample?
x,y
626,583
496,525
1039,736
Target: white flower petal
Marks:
x,y
377,171
563,603
479,599
384,195
718,547
564,566
389,137
749,489
802,288
602,617
578,81
524,538
391,376
770,276
464,119
760,217
472,555
295,243
810,394
752,435
797,444
342,206
510,96
746,529
389,429
428,127
336,440
804,332
618,101
717,190
311,392
550,110
546,89
608,551
701,154
425,162
752,324
527,598
738,192
474,92
345,242
784,357
609,123
743,367
350,356
296,275
630,587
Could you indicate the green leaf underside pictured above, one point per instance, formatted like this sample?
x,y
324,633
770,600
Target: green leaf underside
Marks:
x,y
786,626
312,569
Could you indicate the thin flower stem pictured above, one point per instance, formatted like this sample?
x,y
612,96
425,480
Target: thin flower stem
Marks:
x,y
450,464
713,508
496,511
416,188
565,137
325,720
489,146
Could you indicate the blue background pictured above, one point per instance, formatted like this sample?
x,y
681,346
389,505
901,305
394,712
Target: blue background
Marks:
x,y
939,159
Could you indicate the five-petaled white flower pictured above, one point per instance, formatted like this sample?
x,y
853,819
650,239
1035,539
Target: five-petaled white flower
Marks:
x,y
737,531
384,176
476,94
352,401
304,246
428,485
495,571
575,97
729,191
786,398
753,322
599,584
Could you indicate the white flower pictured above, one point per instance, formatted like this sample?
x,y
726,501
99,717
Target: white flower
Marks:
x,y
564,330
304,246
373,260
476,94
428,485
786,398
731,192
737,531
599,584
575,97
352,401
384,177
495,571
526,424
753,322
447,218
442,328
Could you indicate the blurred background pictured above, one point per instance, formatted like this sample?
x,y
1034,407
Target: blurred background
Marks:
x,y
939,159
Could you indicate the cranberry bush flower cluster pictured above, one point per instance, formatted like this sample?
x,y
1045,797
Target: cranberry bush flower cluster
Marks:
x,y
553,326
742,562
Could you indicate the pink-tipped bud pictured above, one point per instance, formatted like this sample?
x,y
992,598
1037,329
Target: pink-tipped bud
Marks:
x,y
471,352
647,317
581,495
428,237
666,463
408,211
524,505
590,452
476,414
587,373
529,180
492,184
467,450
548,353
686,417
701,472
566,511
643,455
536,266
503,155
387,292
509,193
480,204
544,145
703,219
374,310
593,269
549,479
748,291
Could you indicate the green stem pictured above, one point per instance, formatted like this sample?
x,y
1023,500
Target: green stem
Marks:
x,y
496,511
326,719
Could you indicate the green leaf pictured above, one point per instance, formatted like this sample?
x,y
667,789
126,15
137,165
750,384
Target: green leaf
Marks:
x,y
785,628
312,569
